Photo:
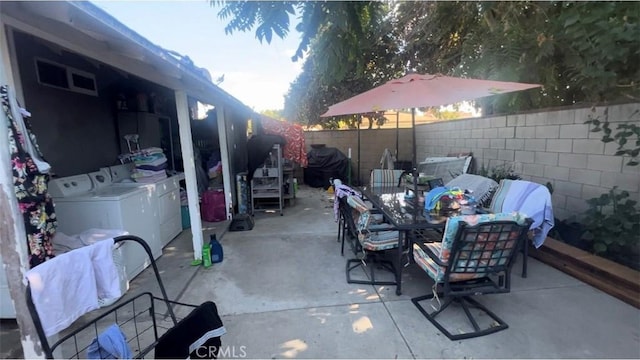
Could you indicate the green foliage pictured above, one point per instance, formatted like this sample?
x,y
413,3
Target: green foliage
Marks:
x,y
499,172
579,51
627,135
612,222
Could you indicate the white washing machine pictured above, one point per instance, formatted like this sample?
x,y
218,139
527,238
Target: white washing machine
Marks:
x,y
82,205
165,192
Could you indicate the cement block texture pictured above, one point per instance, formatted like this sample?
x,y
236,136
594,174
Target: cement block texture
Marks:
x,y
555,146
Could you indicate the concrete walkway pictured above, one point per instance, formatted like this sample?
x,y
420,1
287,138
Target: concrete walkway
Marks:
x,y
282,293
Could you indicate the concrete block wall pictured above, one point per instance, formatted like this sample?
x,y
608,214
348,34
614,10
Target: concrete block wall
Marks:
x,y
372,145
552,146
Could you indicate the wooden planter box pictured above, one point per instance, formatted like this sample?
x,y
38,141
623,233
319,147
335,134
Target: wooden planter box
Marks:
x,y
615,279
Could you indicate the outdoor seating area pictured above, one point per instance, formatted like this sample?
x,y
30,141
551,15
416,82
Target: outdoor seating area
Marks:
x,y
296,292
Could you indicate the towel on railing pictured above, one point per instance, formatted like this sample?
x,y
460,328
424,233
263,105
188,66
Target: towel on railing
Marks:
x,y
529,198
69,285
341,191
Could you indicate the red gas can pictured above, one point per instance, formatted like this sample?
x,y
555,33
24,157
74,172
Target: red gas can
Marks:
x,y
213,206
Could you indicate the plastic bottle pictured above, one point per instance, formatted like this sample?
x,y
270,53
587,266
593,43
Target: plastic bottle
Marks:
x,y
206,255
216,249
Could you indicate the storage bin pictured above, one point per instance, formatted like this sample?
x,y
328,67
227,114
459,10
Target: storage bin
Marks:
x,y
186,220
213,206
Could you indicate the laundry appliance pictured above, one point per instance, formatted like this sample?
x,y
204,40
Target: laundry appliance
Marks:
x,y
82,204
165,193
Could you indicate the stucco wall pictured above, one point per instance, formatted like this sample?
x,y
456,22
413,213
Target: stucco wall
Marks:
x,y
76,132
551,146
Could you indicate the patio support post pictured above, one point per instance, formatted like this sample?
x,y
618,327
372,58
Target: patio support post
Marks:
x,y
186,145
13,245
224,155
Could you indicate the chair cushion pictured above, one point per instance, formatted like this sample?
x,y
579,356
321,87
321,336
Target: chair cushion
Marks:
x,y
435,271
379,240
385,177
443,249
373,237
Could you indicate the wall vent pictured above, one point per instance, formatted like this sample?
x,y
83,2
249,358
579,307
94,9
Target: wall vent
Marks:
x,y
65,77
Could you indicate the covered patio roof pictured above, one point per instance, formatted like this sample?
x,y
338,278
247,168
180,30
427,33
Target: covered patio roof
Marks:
x,y
86,29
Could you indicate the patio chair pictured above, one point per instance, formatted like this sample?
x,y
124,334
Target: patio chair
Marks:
x,y
474,258
369,243
384,177
531,199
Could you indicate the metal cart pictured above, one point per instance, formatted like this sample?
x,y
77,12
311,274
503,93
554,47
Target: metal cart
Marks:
x,y
154,327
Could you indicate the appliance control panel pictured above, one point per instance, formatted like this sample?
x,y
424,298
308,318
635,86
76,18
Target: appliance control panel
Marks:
x,y
70,185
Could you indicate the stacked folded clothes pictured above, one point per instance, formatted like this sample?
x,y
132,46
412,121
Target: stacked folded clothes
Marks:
x,y
150,165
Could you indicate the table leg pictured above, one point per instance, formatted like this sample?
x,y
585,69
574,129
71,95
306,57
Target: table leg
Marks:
x,y
401,235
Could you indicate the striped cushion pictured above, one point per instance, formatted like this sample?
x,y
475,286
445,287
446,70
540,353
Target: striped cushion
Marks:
x,y
373,237
378,241
384,177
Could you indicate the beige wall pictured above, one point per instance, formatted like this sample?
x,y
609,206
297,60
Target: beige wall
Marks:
x,y
552,146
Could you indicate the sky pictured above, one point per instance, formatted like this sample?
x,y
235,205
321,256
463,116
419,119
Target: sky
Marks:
x,y
258,74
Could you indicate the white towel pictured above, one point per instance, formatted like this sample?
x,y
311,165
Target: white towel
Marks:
x,y
68,286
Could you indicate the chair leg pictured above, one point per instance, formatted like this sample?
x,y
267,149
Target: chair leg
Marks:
x,y
465,302
353,264
525,256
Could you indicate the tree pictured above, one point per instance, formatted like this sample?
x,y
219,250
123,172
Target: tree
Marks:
x,y
336,28
579,51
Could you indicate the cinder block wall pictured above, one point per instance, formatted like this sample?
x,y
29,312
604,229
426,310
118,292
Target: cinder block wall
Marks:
x,y
551,146
372,145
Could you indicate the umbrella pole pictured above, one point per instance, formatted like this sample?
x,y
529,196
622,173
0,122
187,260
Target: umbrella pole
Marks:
x,y
359,120
415,163
397,133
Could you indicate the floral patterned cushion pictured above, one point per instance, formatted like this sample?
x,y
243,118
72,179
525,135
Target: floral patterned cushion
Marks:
x,y
443,249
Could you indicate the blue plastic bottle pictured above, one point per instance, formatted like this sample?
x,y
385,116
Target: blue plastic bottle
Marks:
x,y
216,249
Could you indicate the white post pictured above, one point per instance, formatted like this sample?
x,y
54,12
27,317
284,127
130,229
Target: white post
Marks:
x,y
224,155
186,145
13,246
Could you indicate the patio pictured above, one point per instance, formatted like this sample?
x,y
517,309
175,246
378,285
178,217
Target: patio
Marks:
x,y
282,293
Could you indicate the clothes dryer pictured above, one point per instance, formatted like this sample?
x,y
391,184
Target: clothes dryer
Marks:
x,y
80,205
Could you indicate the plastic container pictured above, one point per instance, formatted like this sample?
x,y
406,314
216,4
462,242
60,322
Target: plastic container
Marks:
x,y
216,249
186,220
213,206
206,255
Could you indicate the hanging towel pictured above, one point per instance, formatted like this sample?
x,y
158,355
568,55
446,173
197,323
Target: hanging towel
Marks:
x,y
529,198
69,285
111,344
341,191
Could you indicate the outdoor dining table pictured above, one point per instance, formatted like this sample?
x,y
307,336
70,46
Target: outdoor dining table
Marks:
x,y
405,213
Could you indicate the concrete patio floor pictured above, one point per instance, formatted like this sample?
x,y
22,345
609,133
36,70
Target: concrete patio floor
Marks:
x,y
281,292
